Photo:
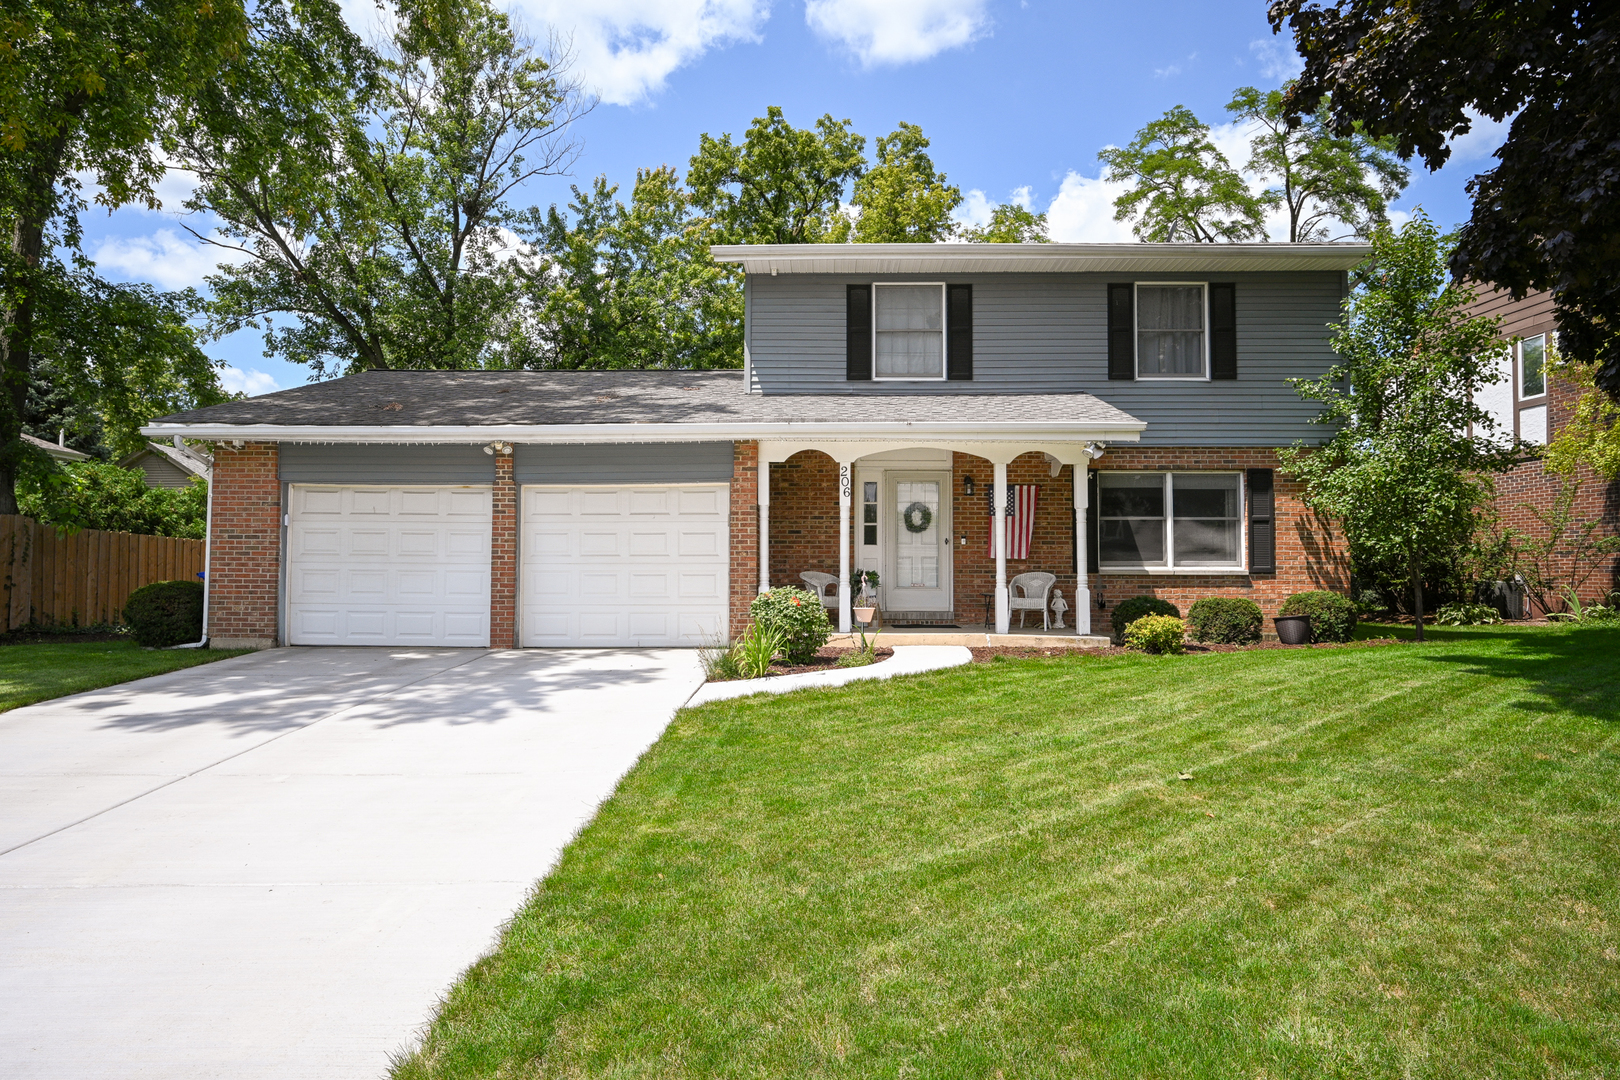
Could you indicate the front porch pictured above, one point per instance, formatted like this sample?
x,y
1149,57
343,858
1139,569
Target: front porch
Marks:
x,y
919,515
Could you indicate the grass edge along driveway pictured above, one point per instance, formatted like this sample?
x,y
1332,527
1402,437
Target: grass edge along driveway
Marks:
x,y
38,672
1388,861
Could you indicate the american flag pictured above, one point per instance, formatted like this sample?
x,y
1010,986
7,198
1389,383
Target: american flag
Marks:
x,y
1020,530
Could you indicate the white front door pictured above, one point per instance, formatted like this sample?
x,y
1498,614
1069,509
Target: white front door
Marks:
x,y
919,573
388,565
638,565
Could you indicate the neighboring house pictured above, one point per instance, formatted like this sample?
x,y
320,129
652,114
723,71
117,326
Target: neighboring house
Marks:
x,y
168,466
58,449
1528,401
1138,391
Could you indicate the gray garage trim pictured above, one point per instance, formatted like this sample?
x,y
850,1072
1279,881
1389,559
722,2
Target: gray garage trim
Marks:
x,y
373,463
623,463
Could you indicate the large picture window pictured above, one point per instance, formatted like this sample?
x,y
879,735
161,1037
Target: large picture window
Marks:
x,y
1170,338
908,331
1169,521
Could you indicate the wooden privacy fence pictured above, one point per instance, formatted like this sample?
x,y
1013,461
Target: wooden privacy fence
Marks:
x,y
49,577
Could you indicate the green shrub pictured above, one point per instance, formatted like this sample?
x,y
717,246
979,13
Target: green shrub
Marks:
x,y
798,616
1156,634
1225,620
1128,611
1466,615
165,613
1333,617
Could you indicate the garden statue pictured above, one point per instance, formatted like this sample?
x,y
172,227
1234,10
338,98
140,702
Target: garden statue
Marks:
x,y
1059,606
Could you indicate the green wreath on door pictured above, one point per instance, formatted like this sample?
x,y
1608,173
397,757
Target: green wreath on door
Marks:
x,y
917,517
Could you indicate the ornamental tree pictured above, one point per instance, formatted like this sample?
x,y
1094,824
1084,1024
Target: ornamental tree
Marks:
x,y
1409,464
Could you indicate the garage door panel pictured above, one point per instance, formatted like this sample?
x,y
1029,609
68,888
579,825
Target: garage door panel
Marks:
x,y
389,566
655,574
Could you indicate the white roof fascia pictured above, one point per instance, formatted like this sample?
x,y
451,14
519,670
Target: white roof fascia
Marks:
x,y
1038,258
979,431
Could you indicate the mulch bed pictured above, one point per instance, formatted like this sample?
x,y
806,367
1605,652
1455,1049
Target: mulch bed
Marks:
x,y
985,654
826,657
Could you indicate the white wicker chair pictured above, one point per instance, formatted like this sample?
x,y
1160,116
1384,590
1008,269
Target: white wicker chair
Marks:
x,y
818,582
1029,592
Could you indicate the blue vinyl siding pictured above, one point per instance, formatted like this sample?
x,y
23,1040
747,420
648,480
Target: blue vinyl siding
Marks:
x,y
1035,333
305,463
623,463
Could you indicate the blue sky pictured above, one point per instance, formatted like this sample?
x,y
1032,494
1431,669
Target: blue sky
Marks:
x,y
1018,96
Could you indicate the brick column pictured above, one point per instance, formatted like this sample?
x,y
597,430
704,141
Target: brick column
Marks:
x,y
744,533
503,553
244,574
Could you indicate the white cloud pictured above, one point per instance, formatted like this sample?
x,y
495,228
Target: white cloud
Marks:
x,y
166,258
1482,138
1278,61
1167,72
977,207
898,31
249,382
1083,212
624,50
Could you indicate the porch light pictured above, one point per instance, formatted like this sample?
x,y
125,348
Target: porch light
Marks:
x,y
967,485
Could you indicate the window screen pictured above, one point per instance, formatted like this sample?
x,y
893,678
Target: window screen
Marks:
x,y
1130,518
1169,331
1533,366
1207,528
910,332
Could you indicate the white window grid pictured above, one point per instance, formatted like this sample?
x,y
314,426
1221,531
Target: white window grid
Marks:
x,y
944,331
1170,566
1136,331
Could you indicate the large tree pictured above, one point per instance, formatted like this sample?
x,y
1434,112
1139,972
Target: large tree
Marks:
x,y
1317,177
781,184
1183,188
369,194
632,286
1402,474
1423,71
902,198
84,88
1009,223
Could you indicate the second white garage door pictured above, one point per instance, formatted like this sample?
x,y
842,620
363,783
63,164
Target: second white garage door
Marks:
x,y
633,566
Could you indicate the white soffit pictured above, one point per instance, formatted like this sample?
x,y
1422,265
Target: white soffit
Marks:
x,y
1038,258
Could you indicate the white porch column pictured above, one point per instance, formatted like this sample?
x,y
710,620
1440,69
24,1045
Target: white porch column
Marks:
x,y
844,491
764,524
1003,605
1082,588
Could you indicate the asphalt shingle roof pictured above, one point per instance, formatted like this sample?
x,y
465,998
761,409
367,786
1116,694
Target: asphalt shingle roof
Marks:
x,y
547,398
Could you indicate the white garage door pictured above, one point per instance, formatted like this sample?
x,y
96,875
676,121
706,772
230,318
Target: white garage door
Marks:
x,y
640,565
388,565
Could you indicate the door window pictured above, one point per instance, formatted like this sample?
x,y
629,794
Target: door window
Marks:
x,y
916,529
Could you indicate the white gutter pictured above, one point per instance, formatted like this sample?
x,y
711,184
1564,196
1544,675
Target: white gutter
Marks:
x,y
588,434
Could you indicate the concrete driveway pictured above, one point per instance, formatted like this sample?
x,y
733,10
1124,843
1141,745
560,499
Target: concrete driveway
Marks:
x,y
272,866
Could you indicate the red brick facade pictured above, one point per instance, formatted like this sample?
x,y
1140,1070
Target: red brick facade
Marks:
x,y
244,555
503,558
804,516
745,532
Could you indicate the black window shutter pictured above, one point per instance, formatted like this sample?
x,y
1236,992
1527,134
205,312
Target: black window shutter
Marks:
x,y
1091,522
1262,523
858,333
1223,331
959,332
1121,332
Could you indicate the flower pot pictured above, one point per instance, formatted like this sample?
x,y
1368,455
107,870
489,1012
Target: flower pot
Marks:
x,y
864,614
1293,629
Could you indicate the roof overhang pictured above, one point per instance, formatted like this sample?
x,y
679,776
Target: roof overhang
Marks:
x,y
587,434
1038,258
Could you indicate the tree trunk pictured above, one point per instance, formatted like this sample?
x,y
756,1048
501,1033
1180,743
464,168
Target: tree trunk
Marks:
x,y
1417,595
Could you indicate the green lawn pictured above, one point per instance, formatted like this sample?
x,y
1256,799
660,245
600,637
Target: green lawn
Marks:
x,y
1389,861
30,673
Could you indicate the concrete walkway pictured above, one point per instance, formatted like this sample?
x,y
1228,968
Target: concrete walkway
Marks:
x,y
272,866
907,660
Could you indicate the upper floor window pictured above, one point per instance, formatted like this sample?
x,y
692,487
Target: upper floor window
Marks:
x,y
1171,521
1533,366
1170,339
908,331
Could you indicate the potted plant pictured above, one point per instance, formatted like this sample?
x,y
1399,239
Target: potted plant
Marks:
x,y
863,587
1293,629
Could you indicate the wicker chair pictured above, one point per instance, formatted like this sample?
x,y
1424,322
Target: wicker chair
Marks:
x,y
817,583
1029,592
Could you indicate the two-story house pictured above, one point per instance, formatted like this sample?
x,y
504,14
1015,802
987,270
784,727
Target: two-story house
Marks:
x,y
949,415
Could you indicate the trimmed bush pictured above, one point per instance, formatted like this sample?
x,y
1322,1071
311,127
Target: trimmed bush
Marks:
x,y
1128,611
1225,620
1333,617
797,615
165,613
1157,634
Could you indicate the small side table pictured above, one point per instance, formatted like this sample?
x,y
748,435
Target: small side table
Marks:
x,y
990,613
